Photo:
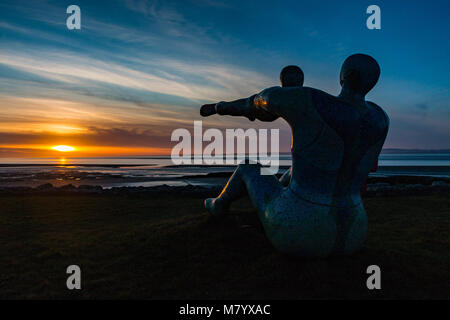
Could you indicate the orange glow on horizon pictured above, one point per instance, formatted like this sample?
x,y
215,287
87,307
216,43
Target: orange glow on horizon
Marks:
x,y
63,148
40,151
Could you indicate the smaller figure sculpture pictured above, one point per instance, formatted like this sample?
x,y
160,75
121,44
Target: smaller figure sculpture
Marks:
x,y
290,76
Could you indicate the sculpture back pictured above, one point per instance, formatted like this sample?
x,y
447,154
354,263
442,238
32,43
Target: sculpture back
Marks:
x,y
333,166
362,130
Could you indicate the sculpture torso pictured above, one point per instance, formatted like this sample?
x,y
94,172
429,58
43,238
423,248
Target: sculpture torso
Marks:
x,y
334,143
334,146
331,168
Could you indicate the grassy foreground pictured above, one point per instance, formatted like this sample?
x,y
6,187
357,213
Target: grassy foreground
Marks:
x,y
159,248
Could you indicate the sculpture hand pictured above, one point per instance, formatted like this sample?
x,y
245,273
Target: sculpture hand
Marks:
x,y
234,108
208,110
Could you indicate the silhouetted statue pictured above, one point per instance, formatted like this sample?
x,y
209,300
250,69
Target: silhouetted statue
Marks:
x,y
335,143
290,76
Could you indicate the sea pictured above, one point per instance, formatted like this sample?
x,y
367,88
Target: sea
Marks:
x,y
158,170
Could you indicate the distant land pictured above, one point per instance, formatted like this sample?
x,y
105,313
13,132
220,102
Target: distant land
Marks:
x,y
398,150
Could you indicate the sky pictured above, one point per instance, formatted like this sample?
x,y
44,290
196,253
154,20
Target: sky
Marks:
x,y
137,70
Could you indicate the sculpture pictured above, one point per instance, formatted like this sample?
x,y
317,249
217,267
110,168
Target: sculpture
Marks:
x,y
335,142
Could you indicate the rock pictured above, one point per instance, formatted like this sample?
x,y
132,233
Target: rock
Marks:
x,y
379,184
90,189
68,187
377,187
45,187
414,187
440,184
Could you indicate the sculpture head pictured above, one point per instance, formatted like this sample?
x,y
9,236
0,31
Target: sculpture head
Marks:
x,y
359,74
291,76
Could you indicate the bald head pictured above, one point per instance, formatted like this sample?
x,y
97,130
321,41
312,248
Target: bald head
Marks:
x,y
291,76
359,73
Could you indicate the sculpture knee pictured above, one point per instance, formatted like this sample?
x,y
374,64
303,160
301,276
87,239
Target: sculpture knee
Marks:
x,y
247,169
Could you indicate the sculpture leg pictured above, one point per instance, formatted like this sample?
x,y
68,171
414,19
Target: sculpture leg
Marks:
x,y
285,179
260,188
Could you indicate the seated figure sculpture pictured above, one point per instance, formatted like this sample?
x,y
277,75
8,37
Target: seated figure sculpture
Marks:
x,y
335,142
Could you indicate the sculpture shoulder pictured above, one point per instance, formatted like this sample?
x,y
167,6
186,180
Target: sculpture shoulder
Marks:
x,y
285,96
379,113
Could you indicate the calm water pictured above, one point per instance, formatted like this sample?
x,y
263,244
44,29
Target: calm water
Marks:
x,y
385,159
149,171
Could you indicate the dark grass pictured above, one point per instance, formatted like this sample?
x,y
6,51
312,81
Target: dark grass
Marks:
x,y
160,248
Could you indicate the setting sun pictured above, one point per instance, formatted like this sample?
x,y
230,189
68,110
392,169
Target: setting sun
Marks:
x,y
63,148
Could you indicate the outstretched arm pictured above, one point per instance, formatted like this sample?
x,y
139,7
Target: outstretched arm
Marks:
x,y
254,107
241,107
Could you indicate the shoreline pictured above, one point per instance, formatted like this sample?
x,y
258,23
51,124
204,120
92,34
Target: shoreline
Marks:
x,y
376,186
154,175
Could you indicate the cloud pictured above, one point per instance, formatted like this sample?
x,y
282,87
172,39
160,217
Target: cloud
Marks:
x,y
117,137
156,137
198,82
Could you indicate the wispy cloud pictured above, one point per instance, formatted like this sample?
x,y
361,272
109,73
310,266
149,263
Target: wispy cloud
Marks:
x,y
199,82
139,69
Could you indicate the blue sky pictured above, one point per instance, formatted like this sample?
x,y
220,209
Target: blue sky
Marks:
x,y
139,69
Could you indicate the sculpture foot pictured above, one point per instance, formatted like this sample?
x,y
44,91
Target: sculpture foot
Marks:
x,y
215,206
